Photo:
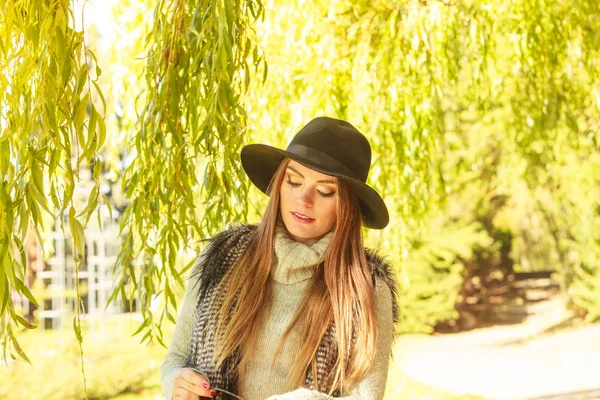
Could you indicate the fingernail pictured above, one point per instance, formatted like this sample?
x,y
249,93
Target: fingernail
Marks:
x,y
205,385
212,393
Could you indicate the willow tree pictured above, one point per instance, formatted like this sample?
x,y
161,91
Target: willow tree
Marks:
x,y
460,100
51,123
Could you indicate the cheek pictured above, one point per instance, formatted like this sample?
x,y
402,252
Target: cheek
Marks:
x,y
283,197
331,210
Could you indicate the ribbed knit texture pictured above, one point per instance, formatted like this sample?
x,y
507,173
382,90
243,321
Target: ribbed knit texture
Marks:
x,y
293,266
295,262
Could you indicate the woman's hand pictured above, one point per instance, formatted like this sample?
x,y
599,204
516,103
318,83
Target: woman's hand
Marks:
x,y
190,385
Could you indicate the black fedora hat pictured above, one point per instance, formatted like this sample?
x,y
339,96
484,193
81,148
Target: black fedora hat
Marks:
x,y
330,146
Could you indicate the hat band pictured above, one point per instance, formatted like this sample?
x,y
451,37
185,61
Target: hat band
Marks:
x,y
322,158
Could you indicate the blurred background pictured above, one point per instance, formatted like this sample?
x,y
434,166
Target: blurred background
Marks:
x,y
484,121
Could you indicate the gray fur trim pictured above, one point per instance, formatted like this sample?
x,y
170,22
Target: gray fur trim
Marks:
x,y
383,270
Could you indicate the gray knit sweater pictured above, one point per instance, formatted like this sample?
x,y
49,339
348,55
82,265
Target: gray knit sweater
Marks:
x,y
293,266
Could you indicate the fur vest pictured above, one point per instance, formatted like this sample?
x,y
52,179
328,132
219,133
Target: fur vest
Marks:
x,y
220,254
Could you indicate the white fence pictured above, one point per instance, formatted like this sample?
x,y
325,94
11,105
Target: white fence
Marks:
x,y
96,277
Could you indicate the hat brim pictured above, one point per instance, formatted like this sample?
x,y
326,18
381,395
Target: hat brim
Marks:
x,y
260,161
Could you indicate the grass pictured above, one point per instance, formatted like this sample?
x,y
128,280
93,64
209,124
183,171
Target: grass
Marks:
x,y
115,363
118,367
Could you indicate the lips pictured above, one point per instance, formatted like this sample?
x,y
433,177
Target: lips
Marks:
x,y
302,216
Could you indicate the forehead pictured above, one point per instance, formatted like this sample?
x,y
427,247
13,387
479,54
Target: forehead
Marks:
x,y
310,173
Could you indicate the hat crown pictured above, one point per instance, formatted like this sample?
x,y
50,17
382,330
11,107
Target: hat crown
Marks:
x,y
334,144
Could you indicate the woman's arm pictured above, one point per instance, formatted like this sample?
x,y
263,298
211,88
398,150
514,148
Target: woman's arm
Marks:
x,y
181,343
372,386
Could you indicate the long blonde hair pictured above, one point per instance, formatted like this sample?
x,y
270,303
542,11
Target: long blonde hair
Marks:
x,y
340,292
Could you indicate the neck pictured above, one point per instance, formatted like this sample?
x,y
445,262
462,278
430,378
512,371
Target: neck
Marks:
x,y
296,261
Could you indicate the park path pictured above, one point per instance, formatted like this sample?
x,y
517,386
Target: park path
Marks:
x,y
508,362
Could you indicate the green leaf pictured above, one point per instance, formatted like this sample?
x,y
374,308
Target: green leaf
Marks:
x,y
265,71
170,296
124,295
101,98
5,260
24,322
141,327
16,345
37,196
112,297
4,292
54,160
102,133
77,231
170,317
108,205
91,204
185,269
21,250
81,79
146,336
13,205
24,223
246,76
20,286
159,338
92,128
77,329
51,118
99,218
54,197
80,113
97,169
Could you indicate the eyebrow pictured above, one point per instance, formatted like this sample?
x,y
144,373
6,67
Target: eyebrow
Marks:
x,y
321,181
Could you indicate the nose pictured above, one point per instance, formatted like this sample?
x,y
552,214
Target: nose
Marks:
x,y
305,198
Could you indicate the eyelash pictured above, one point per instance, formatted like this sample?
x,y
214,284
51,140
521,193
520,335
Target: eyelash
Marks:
x,y
294,184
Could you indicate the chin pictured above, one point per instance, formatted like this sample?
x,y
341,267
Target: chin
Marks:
x,y
299,231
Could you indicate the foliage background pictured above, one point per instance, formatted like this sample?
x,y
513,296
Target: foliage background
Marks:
x,y
483,117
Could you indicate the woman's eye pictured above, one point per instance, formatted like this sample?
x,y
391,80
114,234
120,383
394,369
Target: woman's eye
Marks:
x,y
326,194
294,184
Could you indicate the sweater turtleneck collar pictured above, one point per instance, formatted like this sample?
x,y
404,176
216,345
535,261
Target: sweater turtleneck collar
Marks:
x,y
295,261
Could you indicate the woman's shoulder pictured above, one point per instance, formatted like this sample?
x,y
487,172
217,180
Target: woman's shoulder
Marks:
x,y
234,237
380,266
232,234
222,246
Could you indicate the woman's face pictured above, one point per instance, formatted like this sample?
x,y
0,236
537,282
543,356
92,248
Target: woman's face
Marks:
x,y
308,203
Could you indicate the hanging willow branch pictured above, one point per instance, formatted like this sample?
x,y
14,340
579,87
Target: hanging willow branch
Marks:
x,y
191,125
50,127
441,89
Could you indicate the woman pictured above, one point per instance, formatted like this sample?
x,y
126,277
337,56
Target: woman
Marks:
x,y
295,307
